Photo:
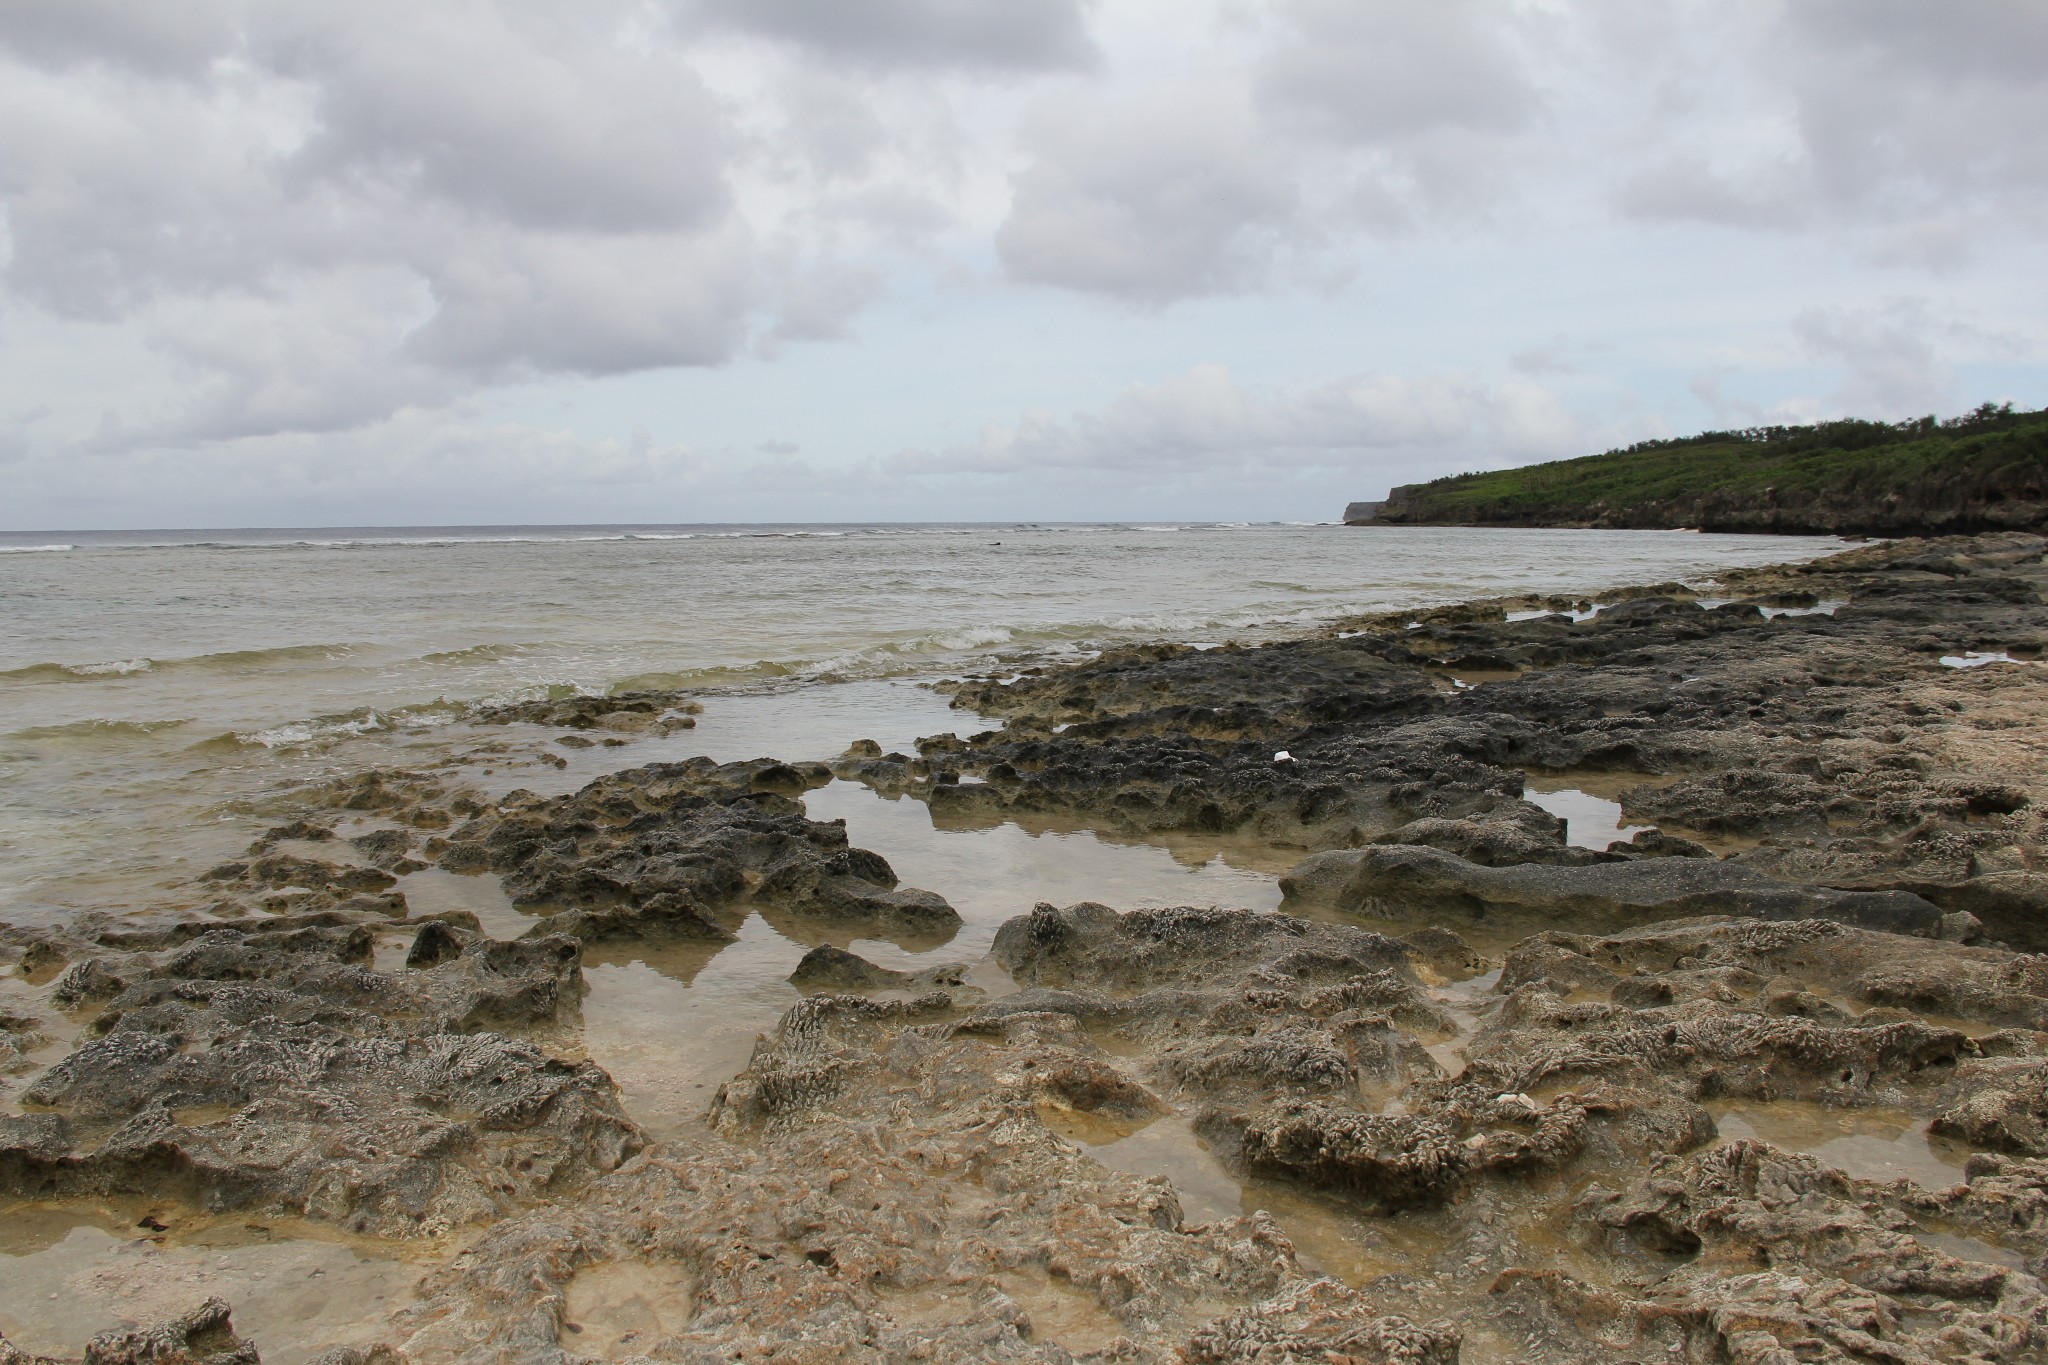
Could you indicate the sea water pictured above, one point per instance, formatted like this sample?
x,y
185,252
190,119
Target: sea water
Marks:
x,y
154,685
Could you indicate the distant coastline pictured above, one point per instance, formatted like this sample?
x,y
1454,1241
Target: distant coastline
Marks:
x,y
1984,471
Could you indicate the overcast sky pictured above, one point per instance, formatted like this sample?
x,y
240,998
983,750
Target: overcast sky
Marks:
x,y
464,261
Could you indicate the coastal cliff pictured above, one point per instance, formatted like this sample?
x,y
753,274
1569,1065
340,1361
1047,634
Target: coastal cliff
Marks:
x,y
1985,471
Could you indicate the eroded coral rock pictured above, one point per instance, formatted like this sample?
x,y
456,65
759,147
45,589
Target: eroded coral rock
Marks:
x,y
275,1071
1853,1276
661,851
204,1336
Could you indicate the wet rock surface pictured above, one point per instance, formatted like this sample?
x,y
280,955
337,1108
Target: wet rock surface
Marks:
x,y
1400,881
1823,743
269,1069
1762,1079
666,850
204,1336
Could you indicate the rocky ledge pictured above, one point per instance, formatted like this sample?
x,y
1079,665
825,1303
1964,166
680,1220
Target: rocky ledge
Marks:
x,y
1762,1078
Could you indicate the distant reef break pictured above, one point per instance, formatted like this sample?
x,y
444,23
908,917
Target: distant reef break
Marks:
x,y
1984,471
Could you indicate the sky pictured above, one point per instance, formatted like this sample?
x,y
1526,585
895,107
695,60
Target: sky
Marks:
x,y
273,263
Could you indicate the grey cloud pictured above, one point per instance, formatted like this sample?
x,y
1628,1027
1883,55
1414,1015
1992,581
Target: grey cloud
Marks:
x,y
178,39
1887,354
1350,116
1374,70
1160,199
832,128
1419,107
1206,419
2003,40
817,303
564,303
117,189
1862,116
1541,360
1685,185
316,357
546,124
989,33
1939,242
529,194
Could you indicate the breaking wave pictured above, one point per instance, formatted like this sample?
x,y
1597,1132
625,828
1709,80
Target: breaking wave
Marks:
x,y
233,659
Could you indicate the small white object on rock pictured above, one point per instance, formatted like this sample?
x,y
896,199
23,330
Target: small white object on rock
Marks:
x,y
1283,757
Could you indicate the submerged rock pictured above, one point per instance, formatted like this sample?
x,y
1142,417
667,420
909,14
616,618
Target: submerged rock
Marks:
x,y
827,967
1398,882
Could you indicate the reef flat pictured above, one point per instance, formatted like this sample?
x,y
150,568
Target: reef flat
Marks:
x,y
1743,1057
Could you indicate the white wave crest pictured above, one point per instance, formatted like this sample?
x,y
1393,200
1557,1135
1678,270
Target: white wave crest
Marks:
x,y
113,668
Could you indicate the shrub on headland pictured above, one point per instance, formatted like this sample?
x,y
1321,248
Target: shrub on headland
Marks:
x,y
1985,470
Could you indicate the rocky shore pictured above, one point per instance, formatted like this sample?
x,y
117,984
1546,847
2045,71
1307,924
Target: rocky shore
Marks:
x,y
1764,1081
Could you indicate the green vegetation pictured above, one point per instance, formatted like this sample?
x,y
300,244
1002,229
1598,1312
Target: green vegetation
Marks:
x,y
1987,470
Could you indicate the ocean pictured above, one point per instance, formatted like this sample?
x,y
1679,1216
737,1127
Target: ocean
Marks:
x,y
156,686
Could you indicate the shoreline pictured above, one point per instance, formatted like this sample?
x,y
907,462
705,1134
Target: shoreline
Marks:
x,y
1465,1025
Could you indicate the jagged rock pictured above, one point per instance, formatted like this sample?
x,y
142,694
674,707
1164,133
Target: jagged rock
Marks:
x,y
204,1336
663,916
660,712
2002,1105
1320,1321
245,1070
658,851
1850,1280
1512,832
1092,945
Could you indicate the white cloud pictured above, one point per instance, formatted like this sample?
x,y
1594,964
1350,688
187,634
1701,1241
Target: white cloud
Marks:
x,y
1158,198
516,114
565,303
1206,419
1888,355
1346,119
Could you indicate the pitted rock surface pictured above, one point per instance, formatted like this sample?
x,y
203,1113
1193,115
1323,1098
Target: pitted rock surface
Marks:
x,y
274,1071
670,850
